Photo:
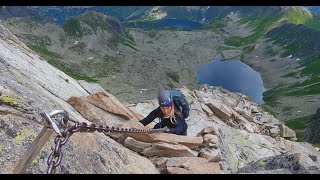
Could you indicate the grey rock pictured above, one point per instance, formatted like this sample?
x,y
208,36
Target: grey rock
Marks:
x,y
169,150
212,155
192,165
294,163
135,145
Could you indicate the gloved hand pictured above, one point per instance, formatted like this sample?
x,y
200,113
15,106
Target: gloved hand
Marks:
x,y
166,129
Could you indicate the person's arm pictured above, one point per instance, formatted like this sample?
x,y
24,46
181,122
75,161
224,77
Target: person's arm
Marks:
x,y
153,114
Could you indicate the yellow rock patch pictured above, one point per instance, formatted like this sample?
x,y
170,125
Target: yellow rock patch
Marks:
x,y
261,163
21,136
7,100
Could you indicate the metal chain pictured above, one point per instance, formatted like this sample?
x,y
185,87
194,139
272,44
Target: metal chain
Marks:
x,y
55,157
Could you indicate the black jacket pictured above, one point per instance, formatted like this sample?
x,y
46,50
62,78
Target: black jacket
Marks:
x,y
179,127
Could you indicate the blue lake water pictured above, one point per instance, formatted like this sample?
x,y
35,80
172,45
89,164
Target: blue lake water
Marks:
x,y
234,76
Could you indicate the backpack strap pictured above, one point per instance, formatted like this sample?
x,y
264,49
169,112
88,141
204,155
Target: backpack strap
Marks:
x,y
181,102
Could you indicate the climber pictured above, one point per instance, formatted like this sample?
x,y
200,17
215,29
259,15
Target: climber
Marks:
x,y
172,113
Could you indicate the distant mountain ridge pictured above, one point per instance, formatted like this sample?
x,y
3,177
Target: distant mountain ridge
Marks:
x,y
16,11
200,14
62,13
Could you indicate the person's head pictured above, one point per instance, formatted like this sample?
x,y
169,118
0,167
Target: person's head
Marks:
x,y
166,104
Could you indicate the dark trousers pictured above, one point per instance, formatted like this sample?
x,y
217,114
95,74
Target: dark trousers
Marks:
x,y
158,125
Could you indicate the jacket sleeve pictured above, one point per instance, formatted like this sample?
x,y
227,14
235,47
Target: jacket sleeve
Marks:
x,y
153,114
180,128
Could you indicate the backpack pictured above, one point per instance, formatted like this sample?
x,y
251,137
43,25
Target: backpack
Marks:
x,y
180,102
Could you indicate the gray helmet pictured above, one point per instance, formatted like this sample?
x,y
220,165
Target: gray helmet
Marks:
x,y
165,98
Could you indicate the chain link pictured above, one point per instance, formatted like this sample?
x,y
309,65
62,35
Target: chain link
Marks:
x,y
55,157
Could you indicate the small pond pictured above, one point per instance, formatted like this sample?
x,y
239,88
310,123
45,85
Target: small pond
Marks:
x,y
234,76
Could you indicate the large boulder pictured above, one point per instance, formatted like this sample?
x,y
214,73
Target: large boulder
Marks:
x,y
247,115
211,154
95,88
135,145
191,142
226,113
95,114
100,101
208,130
207,110
210,138
286,132
218,109
169,150
274,132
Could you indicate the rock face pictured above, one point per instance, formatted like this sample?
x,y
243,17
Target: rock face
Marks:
x,y
193,165
292,164
35,87
231,138
19,65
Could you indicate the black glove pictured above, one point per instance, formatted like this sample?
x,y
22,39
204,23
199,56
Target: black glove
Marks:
x,y
166,129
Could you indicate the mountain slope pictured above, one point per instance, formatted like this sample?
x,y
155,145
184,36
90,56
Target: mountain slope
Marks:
x,y
263,22
89,49
220,140
272,44
266,38
312,129
74,27
69,42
